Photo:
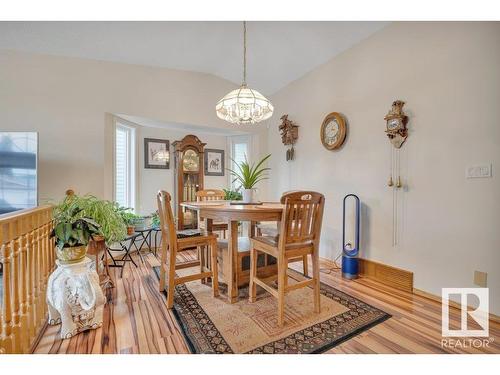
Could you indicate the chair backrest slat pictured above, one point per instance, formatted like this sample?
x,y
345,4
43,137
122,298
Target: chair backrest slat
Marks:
x,y
167,220
302,217
210,195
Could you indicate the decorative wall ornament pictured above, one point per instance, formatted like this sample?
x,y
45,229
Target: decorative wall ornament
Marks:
x,y
289,132
214,162
333,131
397,132
396,124
156,153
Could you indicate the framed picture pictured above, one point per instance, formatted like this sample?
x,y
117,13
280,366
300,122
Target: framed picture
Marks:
x,y
214,162
156,153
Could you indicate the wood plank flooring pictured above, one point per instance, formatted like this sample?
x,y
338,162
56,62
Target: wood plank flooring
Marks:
x,y
136,319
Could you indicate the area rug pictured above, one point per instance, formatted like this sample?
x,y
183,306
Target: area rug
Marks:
x,y
213,325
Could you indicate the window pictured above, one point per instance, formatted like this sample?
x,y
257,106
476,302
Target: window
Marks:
x,y
125,165
18,165
240,150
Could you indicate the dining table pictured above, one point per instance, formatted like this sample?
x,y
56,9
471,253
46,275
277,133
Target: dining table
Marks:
x,y
234,212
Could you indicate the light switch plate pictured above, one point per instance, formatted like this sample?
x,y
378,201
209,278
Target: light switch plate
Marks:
x,y
478,171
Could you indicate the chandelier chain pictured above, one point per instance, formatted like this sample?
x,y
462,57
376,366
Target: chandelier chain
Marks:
x,y
244,52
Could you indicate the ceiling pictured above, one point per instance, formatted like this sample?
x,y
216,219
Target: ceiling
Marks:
x,y
278,52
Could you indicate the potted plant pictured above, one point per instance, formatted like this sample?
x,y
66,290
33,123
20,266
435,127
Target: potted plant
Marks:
x,y
155,219
129,218
111,227
72,233
249,175
232,195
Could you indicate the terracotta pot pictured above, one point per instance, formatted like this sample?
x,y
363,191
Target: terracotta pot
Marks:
x,y
130,230
68,255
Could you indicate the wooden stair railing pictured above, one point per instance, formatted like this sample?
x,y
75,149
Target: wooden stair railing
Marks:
x,y
28,257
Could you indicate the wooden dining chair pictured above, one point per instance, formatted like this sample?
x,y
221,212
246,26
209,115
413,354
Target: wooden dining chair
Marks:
x,y
174,241
269,228
299,235
211,195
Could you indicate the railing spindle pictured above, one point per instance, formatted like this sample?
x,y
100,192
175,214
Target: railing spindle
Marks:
x,y
6,306
27,255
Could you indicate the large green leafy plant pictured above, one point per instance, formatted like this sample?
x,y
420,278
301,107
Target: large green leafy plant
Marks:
x,y
103,213
76,232
249,175
71,228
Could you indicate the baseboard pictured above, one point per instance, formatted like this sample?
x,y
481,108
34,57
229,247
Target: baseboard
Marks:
x,y
389,275
433,297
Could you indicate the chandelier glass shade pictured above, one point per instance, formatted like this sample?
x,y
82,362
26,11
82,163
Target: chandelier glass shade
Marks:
x,y
244,105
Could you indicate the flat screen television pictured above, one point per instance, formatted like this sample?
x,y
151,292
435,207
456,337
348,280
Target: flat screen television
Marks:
x,y
18,171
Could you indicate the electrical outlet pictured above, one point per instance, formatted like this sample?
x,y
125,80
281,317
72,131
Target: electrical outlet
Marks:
x,y
480,278
478,171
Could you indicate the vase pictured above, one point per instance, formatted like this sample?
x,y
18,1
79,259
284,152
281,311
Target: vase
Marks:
x,y
68,255
247,195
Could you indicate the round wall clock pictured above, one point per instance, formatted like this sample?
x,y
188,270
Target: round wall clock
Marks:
x,y
333,131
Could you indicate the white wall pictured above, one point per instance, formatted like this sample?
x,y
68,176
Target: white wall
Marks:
x,y
69,102
152,180
448,74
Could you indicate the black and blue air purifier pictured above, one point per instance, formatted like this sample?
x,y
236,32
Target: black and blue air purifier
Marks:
x,y
350,242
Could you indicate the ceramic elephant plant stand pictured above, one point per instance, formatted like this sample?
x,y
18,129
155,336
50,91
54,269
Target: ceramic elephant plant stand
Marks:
x,y
75,298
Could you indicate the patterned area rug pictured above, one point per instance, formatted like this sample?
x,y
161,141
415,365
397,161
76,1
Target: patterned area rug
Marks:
x,y
212,325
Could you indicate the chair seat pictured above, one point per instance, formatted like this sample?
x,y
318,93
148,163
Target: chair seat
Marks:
x,y
186,233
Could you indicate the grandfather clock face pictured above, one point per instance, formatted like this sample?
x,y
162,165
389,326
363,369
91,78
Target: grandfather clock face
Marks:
x,y
190,161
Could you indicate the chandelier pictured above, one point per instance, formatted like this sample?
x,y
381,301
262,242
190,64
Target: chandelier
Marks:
x,y
244,105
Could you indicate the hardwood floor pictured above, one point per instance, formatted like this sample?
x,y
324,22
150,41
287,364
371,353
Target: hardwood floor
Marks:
x,y
136,320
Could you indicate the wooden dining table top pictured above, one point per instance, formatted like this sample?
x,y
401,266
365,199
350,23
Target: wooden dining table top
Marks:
x,y
228,211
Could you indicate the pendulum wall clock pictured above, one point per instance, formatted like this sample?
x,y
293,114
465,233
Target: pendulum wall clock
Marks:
x,y
397,133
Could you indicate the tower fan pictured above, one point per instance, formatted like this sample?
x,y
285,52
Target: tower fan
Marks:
x,y
350,237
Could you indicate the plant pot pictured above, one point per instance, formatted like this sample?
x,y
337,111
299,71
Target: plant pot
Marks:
x,y
130,230
247,195
68,255
139,223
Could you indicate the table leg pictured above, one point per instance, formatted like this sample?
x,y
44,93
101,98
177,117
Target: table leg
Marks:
x,y
232,242
209,225
208,260
251,229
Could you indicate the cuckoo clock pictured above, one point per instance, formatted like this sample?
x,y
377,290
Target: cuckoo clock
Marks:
x,y
289,134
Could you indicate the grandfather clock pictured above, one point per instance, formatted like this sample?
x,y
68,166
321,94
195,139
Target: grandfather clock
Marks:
x,y
188,155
